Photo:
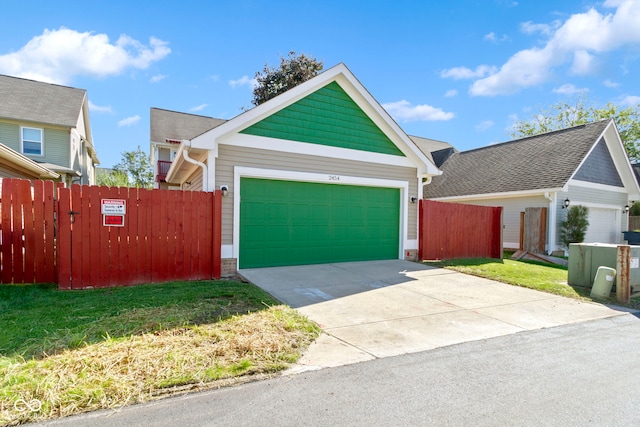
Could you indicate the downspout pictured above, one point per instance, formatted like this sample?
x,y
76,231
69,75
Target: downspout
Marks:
x,y
552,220
185,154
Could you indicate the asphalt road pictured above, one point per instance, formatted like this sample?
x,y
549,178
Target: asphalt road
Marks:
x,y
576,375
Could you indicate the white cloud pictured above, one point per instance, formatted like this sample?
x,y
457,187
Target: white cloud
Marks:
x,y
129,121
493,38
583,62
458,73
99,109
57,56
578,42
610,83
569,89
451,93
404,111
545,29
214,77
243,81
631,101
157,78
484,125
199,107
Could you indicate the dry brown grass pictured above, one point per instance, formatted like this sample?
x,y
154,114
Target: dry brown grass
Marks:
x,y
123,371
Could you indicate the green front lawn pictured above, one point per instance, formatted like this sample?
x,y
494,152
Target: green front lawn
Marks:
x,y
529,274
64,352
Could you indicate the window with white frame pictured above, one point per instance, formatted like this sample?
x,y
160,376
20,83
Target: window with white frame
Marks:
x,y
32,141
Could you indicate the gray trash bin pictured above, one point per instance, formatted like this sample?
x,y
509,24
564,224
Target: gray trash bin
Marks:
x,y
603,282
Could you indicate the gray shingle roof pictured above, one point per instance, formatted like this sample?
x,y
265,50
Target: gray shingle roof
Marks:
x,y
29,100
175,125
539,162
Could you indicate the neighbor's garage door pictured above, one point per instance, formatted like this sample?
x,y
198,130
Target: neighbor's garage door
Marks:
x,y
602,226
295,223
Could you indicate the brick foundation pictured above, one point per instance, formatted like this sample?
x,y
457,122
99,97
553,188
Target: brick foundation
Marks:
x,y
228,267
410,254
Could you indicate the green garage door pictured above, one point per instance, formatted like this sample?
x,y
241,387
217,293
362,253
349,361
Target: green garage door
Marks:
x,y
295,223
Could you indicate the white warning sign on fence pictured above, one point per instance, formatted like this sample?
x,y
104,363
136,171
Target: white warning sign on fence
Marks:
x,y
114,207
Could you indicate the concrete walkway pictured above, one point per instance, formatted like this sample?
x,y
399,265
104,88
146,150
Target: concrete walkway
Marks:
x,y
378,309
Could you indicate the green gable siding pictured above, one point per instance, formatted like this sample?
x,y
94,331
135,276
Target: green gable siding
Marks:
x,y
326,117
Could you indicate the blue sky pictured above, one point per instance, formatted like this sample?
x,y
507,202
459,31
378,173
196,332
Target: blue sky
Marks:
x,y
457,71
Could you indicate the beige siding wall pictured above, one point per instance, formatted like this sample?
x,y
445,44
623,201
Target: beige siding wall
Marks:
x,y
196,181
511,214
229,156
9,172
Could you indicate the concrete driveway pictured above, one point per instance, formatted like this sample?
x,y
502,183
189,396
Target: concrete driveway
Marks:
x,y
377,309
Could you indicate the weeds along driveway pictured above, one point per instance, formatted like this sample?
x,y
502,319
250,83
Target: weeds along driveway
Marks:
x,y
377,309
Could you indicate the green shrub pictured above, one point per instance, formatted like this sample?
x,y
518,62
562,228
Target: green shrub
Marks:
x,y
574,227
635,209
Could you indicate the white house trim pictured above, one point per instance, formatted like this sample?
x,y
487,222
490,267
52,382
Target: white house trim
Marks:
x,y
248,172
595,186
510,194
264,143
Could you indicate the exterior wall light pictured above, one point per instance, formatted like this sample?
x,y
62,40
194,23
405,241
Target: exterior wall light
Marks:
x,y
224,189
413,199
625,209
566,203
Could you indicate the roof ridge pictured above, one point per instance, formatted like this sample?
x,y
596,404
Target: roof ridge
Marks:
x,y
539,135
41,82
188,114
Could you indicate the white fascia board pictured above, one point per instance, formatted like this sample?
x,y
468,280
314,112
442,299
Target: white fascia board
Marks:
x,y
620,159
506,195
386,122
264,143
358,93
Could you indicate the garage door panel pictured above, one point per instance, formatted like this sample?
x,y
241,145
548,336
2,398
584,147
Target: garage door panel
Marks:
x,y
293,223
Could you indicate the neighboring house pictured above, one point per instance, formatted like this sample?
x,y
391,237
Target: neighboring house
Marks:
x,y
318,174
49,124
168,129
583,165
15,165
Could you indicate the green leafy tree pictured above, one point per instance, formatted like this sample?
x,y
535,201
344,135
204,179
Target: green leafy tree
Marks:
x,y
293,70
111,178
565,114
135,165
574,228
635,209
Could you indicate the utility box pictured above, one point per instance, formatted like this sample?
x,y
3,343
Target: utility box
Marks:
x,y
585,258
603,282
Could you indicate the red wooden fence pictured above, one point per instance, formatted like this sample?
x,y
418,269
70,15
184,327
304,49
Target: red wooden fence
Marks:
x,y
455,230
27,252
167,235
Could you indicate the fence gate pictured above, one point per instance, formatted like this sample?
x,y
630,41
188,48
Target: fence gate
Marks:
x,y
456,230
151,236
533,230
27,236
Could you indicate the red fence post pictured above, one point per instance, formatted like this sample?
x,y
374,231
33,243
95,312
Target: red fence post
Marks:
x,y
63,249
7,235
217,234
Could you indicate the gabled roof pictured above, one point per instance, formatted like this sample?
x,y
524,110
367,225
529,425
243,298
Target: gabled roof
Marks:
x,y
15,160
541,162
166,124
340,74
29,100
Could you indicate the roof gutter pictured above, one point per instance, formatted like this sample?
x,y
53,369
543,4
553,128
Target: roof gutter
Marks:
x,y
185,153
